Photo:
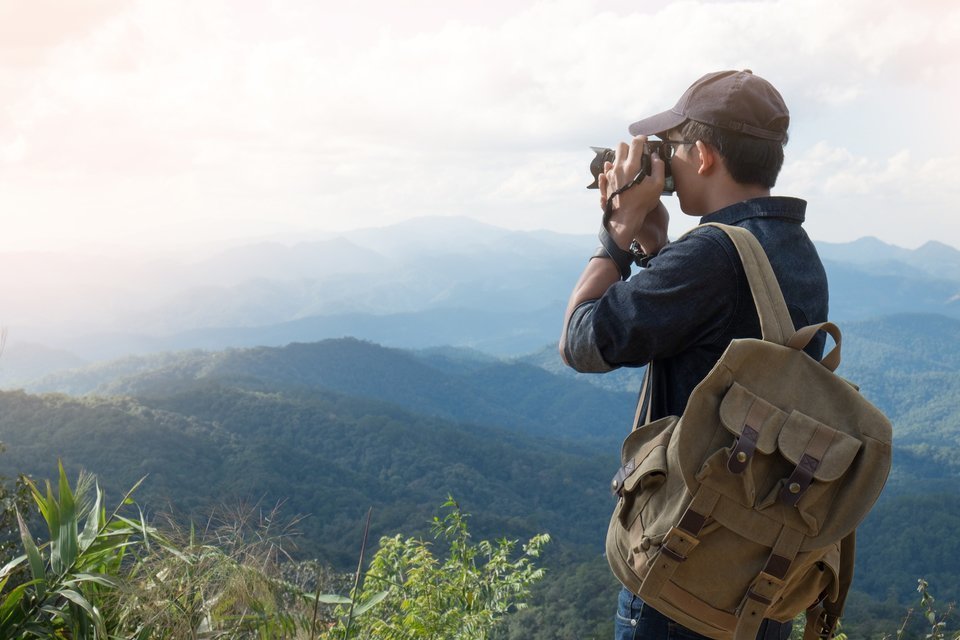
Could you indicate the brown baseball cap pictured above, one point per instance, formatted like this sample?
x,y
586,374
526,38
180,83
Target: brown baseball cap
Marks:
x,y
733,100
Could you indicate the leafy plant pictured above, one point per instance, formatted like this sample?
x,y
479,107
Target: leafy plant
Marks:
x,y
100,576
937,620
69,573
463,597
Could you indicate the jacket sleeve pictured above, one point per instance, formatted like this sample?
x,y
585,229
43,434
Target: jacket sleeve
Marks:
x,y
580,347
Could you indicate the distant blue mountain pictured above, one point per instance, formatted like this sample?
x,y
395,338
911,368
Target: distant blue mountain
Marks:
x,y
422,283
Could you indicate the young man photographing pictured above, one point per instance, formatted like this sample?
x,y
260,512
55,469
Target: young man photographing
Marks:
x,y
724,142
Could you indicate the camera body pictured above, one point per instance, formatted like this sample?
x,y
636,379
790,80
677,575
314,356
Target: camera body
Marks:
x,y
649,147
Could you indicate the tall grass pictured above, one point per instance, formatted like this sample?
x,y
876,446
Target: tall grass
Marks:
x,y
98,575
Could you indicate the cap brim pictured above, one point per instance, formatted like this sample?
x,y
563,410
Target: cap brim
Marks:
x,y
657,124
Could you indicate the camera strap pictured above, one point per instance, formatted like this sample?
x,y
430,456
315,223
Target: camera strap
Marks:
x,y
608,209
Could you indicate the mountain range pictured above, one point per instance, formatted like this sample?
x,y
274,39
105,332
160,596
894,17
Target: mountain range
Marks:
x,y
422,283
390,368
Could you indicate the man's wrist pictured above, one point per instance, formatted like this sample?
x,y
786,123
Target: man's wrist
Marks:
x,y
622,258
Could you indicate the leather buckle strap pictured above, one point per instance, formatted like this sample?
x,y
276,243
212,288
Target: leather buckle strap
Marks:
x,y
746,444
616,485
673,555
799,481
763,591
743,450
768,585
692,522
753,595
802,476
777,566
678,544
753,607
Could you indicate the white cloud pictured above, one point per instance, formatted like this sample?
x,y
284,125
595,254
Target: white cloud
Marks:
x,y
219,118
900,198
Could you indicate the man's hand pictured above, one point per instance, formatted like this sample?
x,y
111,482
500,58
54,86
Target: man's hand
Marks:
x,y
632,207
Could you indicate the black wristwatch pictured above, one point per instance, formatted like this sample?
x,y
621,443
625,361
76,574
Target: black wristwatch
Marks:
x,y
622,258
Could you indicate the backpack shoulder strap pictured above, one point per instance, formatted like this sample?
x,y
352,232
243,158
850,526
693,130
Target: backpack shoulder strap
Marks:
x,y
775,322
642,416
776,325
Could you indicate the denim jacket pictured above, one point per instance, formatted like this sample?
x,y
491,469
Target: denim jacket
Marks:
x,y
683,310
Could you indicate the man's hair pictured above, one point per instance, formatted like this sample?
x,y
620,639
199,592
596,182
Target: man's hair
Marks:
x,y
749,160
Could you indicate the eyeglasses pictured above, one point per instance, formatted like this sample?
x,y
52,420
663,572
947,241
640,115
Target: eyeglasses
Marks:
x,y
668,148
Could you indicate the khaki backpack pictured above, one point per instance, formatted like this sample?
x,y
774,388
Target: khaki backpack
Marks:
x,y
745,507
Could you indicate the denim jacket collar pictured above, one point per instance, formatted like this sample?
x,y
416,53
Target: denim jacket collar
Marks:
x,y
766,207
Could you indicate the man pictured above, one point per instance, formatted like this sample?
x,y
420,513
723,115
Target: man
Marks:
x,y
724,141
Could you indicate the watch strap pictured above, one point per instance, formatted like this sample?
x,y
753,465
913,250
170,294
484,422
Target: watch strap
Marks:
x,y
623,258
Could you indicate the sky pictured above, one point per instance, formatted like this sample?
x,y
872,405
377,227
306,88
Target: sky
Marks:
x,y
155,124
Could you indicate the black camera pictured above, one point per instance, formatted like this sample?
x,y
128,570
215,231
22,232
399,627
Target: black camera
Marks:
x,y
649,147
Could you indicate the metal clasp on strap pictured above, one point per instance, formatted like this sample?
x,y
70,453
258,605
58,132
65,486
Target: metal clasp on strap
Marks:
x,y
743,450
746,444
802,476
799,481
616,485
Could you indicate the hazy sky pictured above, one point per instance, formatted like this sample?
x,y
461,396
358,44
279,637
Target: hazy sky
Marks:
x,y
171,122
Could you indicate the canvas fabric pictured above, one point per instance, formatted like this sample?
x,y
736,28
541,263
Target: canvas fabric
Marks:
x,y
745,507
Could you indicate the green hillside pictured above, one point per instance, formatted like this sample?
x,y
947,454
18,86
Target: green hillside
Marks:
x,y
336,426
323,454
515,396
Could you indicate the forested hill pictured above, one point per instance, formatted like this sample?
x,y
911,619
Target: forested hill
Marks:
x,y
335,426
908,364
454,385
321,453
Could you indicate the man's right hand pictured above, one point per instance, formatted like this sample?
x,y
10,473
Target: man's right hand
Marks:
x,y
633,207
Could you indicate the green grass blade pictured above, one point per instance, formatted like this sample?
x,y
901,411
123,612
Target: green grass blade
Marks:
x,y
92,612
374,600
38,498
98,578
12,602
92,525
326,598
66,541
10,566
50,509
37,568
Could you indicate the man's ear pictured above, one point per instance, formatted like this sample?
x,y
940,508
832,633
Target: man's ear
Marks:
x,y
708,158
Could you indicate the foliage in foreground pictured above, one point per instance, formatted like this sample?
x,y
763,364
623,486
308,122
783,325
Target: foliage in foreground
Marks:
x,y
463,597
937,620
100,576
106,575
69,574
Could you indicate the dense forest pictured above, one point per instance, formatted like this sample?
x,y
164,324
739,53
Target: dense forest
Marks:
x,y
330,429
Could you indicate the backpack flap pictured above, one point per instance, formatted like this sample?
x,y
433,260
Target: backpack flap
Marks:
x,y
820,456
741,409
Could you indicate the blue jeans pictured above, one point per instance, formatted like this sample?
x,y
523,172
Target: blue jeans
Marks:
x,y
636,620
